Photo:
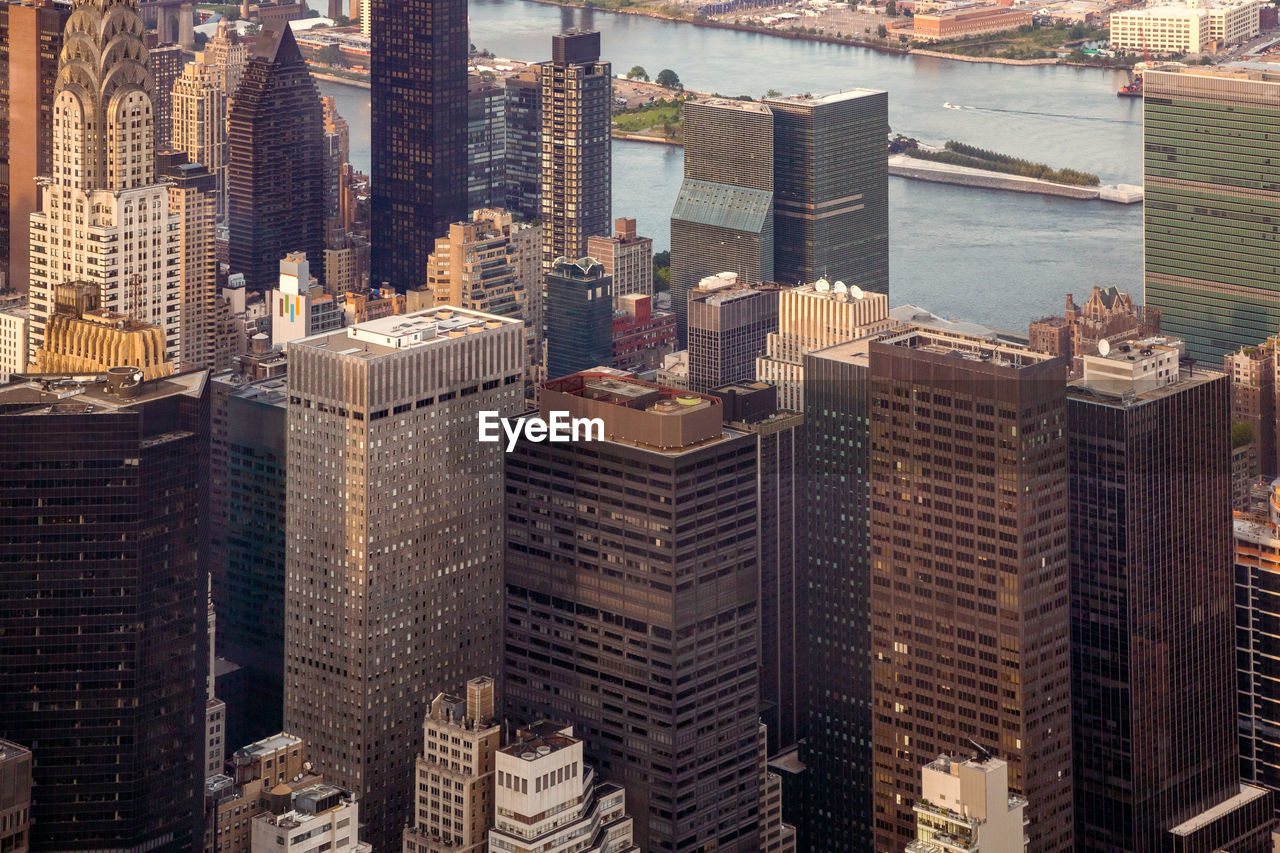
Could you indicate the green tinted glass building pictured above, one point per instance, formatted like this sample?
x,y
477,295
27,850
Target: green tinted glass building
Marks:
x,y
1212,233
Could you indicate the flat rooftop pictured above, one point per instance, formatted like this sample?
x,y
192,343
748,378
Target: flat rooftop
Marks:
x,y
387,335
1248,793
539,746
988,350
734,104
274,743
88,393
809,100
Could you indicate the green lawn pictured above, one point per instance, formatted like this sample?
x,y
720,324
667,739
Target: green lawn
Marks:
x,y
655,116
1023,43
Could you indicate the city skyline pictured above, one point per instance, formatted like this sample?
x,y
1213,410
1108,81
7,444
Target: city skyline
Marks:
x,y
842,575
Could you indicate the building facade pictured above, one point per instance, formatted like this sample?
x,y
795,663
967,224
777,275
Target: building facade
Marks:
x,y
550,800
475,266
15,797
831,189
970,610
455,773
578,316
837,755
523,159
577,155
967,804
119,669
486,142
604,638
1152,605
812,317
729,327
13,338
103,192
642,336
419,125
312,820
723,216
1252,374
1257,591
193,200
393,401
30,44
83,337
626,257
200,125
1207,272
276,168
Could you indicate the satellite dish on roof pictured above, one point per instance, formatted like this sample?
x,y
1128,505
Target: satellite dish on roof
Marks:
x,y
856,292
840,287
822,285
1104,347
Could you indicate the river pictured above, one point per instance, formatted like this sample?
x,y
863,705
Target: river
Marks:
x,y
995,257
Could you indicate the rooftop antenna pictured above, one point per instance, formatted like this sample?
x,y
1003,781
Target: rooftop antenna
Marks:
x,y
986,753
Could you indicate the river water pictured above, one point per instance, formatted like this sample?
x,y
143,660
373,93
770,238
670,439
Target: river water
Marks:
x,y
999,258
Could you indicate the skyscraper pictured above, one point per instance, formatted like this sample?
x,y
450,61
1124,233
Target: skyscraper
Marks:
x,y
276,172
752,407
103,190
577,165
1209,241
811,317
385,478
419,122
632,584
1152,622
579,317
729,327
30,42
723,217
1257,569
523,158
247,493
970,611
227,55
108,685
836,810
193,196
486,142
831,188
165,64
200,125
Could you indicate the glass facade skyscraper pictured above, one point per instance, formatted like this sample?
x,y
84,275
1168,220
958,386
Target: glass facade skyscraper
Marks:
x,y
1212,211
419,133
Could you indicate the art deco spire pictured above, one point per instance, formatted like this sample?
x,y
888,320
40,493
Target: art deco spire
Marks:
x,y
103,100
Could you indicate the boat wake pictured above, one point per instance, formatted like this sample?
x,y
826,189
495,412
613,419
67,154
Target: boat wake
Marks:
x,y
951,106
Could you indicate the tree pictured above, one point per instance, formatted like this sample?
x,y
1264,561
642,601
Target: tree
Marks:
x,y
773,93
342,21
331,54
669,79
661,271
637,72
891,9
252,29
882,31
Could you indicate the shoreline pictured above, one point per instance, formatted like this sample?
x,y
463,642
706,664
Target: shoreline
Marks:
x,y
904,166
334,78
824,39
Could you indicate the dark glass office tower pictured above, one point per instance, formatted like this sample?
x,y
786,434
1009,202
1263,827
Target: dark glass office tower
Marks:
x,y
836,813
103,606
276,162
524,143
249,588
632,604
970,611
577,164
831,189
579,317
1210,239
723,216
1152,600
752,407
419,123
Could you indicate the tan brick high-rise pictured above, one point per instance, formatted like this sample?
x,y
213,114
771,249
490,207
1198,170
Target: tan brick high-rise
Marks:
x,y
393,570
